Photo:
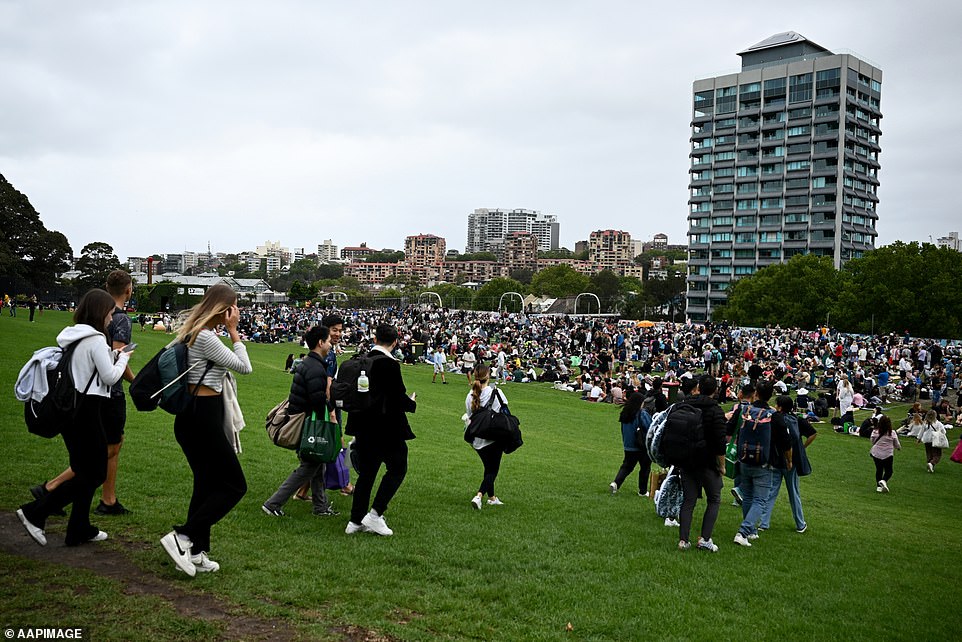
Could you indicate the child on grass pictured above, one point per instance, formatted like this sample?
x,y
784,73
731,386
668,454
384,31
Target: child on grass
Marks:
x,y
885,442
934,438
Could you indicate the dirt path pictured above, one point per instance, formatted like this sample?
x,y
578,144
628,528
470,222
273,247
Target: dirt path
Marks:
x,y
111,563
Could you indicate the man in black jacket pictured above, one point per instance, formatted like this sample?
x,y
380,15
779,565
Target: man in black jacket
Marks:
x,y
308,394
706,468
381,435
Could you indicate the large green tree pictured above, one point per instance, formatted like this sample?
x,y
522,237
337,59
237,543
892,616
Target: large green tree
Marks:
x,y
799,293
488,297
607,287
96,261
301,291
330,271
28,250
559,281
899,287
452,295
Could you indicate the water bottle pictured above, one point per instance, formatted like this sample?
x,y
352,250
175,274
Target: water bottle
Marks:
x,y
363,385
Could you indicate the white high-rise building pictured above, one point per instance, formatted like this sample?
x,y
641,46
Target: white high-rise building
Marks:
x,y
951,241
488,229
326,251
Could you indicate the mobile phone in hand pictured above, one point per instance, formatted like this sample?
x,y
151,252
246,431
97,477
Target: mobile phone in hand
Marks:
x,y
130,347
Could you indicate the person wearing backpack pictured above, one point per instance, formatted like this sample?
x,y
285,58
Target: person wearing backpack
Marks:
x,y
488,450
120,287
760,442
800,430
635,421
219,482
94,367
734,421
705,466
381,434
308,395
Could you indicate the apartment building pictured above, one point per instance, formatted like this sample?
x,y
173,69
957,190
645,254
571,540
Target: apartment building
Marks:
x,y
784,161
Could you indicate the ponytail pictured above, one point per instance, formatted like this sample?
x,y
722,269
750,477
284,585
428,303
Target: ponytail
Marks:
x,y
481,375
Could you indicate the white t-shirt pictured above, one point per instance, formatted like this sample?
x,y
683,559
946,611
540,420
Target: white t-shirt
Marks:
x,y
486,393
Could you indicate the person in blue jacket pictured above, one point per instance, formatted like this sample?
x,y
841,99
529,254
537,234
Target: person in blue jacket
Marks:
x,y
632,416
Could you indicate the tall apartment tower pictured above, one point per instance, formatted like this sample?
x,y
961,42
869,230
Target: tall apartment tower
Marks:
x,y
489,228
784,161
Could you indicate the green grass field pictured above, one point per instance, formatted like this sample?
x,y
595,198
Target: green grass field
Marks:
x,y
562,549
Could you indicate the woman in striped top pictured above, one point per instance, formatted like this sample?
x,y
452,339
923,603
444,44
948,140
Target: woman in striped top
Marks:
x,y
219,482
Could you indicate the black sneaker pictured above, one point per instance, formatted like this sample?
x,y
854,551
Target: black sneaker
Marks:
x,y
327,512
39,492
111,509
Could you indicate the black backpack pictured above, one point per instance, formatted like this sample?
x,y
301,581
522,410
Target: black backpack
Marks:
x,y
48,417
641,432
163,381
683,435
344,391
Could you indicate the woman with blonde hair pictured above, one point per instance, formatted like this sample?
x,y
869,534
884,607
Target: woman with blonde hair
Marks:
x,y
489,451
219,482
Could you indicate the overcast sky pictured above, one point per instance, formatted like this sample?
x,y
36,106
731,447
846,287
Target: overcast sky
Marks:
x,y
158,126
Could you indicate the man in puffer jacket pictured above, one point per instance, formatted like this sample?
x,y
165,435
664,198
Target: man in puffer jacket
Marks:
x,y
308,394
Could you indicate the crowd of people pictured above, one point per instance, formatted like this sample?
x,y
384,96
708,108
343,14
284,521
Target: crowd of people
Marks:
x,y
729,374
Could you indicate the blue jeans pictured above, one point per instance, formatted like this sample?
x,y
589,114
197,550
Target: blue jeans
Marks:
x,y
756,484
794,498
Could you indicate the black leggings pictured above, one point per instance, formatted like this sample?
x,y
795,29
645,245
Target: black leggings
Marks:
x,y
219,482
883,468
491,458
635,458
87,447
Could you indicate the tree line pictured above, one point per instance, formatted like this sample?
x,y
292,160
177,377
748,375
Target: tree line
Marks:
x,y
902,288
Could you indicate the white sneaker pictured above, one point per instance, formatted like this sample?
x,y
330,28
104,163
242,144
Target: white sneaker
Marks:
x,y
741,540
476,502
355,528
614,487
878,489
376,524
494,501
203,564
931,467
884,486
671,522
99,537
36,533
178,547
753,536
707,545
